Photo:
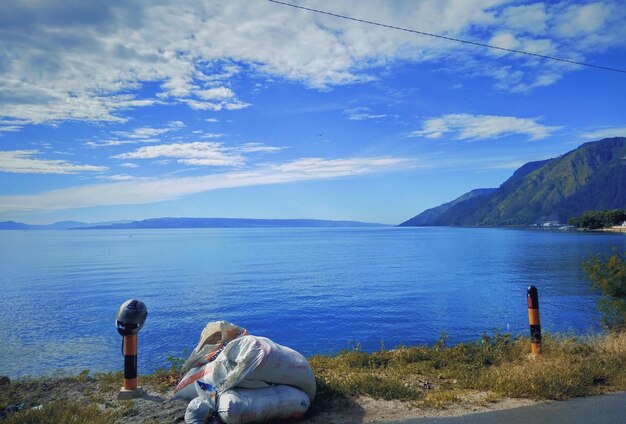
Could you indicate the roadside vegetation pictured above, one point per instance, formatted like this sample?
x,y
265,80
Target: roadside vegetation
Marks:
x,y
608,274
594,220
498,366
476,373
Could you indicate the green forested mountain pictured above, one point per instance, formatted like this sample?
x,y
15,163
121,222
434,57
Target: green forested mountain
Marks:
x,y
429,216
591,177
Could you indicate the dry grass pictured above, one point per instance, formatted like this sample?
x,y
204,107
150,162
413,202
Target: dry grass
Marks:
x,y
69,412
84,398
437,376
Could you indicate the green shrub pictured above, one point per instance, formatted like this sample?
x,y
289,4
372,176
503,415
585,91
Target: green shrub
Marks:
x,y
608,274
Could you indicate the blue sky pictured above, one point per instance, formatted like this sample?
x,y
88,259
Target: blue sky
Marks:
x,y
136,109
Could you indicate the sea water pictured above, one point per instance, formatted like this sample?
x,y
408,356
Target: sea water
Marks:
x,y
317,290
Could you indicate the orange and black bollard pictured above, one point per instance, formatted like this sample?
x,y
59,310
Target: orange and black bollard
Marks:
x,y
533,320
129,320
129,349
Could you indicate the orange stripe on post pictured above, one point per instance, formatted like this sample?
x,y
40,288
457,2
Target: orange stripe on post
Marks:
x,y
130,383
533,317
130,345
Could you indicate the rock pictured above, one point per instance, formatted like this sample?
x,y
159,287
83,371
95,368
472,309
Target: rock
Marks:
x,y
4,380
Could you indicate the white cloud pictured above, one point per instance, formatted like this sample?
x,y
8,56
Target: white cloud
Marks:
x,y
211,135
129,165
120,177
212,120
527,18
195,153
9,128
215,106
361,113
137,135
176,124
481,127
258,148
504,40
149,191
149,133
109,143
200,153
24,162
579,20
605,133
142,133
64,60
218,93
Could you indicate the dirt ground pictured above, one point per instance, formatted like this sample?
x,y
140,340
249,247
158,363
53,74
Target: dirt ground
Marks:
x,y
158,406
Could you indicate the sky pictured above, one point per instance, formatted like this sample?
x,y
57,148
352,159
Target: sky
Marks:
x,y
126,110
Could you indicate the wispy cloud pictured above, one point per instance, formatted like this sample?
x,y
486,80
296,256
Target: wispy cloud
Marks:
x,y
137,135
200,153
211,135
481,127
215,106
9,128
361,113
26,162
120,177
149,191
604,133
196,153
150,132
258,148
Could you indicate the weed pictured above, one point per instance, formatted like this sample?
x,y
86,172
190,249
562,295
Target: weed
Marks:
x,y
69,412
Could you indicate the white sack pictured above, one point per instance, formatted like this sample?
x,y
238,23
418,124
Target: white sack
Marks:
x,y
198,411
238,406
190,385
186,388
213,338
259,358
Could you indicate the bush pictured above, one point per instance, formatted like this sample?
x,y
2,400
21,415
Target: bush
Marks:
x,y
599,219
608,274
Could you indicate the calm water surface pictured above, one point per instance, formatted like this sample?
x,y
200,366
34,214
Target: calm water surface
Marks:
x,y
315,290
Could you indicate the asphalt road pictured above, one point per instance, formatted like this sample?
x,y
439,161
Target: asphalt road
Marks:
x,y
607,409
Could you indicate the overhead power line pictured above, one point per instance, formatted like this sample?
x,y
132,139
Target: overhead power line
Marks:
x,y
443,37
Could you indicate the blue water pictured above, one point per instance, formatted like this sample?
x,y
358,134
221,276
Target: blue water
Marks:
x,y
315,290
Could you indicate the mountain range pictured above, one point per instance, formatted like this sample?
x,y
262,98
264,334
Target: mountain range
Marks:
x,y
591,177
187,223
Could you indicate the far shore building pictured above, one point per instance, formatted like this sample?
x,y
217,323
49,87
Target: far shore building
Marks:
x,y
621,227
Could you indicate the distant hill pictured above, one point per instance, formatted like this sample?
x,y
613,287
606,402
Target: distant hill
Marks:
x,y
61,225
591,177
232,223
12,225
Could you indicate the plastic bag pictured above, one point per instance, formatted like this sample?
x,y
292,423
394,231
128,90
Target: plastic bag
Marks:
x,y
238,406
